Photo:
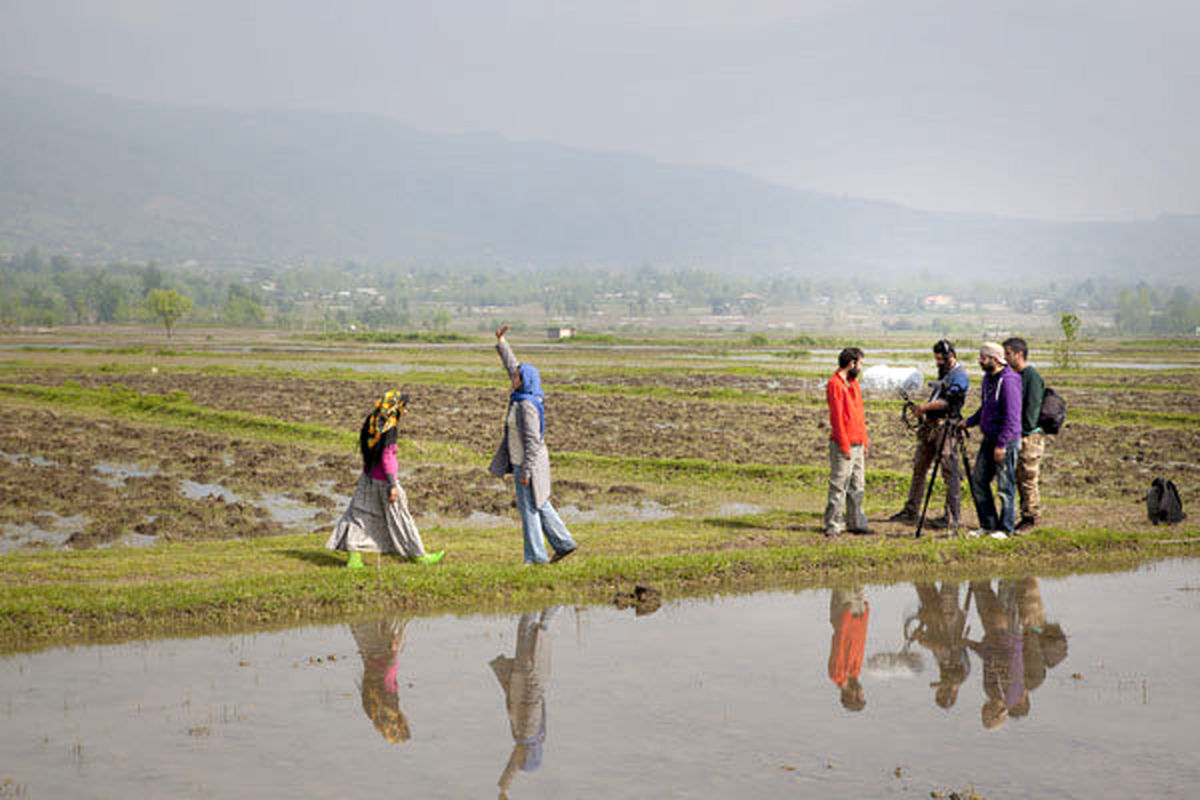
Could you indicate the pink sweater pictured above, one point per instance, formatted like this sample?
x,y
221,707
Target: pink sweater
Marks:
x,y
388,467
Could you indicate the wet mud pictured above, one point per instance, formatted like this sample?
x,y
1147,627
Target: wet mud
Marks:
x,y
125,479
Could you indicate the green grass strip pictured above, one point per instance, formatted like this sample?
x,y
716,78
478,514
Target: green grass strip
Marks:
x,y
49,598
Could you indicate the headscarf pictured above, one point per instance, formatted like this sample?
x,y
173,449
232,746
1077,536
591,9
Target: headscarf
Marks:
x,y
531,390
379,428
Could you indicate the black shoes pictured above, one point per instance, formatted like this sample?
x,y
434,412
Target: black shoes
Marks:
x,y
560,556
905,516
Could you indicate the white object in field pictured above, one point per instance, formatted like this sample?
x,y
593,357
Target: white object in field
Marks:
x,y
881,377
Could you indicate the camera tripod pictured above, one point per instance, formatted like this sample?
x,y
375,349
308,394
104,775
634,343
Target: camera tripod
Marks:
x,y
949,428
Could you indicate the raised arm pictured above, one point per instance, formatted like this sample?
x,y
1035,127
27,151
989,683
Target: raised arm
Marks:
x,y
506,354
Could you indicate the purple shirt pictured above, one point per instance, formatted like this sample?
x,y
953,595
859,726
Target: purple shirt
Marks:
x,y
999,418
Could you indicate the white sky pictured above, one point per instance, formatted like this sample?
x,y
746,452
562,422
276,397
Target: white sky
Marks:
x,y
1058,109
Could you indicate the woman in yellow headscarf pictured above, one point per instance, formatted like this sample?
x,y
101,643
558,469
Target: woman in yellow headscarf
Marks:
x,y
377,519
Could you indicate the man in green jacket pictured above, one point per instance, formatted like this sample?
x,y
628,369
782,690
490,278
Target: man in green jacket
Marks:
x,y
1033,440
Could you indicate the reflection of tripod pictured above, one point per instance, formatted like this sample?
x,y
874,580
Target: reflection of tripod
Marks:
x,y
949,428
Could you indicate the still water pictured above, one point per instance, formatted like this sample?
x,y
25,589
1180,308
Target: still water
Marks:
x,y
1069,687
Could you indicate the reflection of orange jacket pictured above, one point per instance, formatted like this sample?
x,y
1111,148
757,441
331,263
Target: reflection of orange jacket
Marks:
x,y
846,649
847,419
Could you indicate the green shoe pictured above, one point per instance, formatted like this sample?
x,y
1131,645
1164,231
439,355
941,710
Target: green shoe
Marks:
x,y
430,558
355,561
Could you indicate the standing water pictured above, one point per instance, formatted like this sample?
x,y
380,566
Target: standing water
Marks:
x,y
1068,687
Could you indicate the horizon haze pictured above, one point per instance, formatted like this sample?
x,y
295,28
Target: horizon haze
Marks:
x,y
1065,111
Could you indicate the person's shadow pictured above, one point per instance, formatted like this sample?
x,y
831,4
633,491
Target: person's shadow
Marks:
x,y
524,677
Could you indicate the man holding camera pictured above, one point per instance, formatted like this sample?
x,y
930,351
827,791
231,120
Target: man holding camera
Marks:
x,y
943,408
999,420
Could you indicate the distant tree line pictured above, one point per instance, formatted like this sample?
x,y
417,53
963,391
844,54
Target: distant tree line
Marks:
x,y
36,289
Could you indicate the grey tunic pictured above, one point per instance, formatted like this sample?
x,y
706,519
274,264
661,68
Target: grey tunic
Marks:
x,y
536,463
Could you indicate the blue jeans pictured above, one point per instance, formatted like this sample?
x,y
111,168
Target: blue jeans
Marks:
x,y
536,521
1006,486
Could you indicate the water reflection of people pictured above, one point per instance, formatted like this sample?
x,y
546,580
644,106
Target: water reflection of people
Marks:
x,y
848,613
1044,645
524,678
380,643
941,629
1002,653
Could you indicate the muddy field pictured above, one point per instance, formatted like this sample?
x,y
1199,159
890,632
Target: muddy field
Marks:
x,y
1087,458
102,481
107,480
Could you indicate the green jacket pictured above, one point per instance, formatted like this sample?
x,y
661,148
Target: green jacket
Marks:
x,y
1032,390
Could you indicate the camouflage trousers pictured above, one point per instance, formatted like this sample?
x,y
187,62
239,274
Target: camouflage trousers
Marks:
x,y
1029,468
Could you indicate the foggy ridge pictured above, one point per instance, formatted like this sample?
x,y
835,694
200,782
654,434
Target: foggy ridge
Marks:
x,y
111,178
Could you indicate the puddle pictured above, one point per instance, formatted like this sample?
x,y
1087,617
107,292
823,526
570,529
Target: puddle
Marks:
x,y
739,510
477,519
194,490
130,540
644,511
26,458
114,474
48,530
878,691
287,511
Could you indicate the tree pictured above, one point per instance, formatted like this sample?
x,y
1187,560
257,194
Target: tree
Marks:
x,y
242,306
1065,355
169,305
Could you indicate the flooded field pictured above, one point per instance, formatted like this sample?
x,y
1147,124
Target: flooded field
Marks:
x,y
1070,687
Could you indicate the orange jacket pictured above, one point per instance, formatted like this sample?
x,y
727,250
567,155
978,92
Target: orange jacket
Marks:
x,y
847,420
846,649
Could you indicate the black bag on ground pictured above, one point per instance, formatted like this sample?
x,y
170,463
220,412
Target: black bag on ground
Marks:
x,y
1163,504
1054,412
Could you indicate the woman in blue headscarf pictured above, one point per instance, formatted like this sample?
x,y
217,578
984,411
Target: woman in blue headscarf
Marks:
x,y
523,452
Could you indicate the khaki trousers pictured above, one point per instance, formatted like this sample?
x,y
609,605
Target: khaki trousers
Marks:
x,y
847,485
1029,468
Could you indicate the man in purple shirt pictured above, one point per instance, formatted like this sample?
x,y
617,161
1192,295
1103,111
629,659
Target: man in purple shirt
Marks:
x,y
999,420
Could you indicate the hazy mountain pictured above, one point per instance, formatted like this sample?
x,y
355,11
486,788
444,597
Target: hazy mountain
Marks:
x,y
115,178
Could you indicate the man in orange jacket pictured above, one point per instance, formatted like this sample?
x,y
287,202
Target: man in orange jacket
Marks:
x,y
847,447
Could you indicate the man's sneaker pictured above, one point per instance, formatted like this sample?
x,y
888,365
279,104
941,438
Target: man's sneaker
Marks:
x,y
998,535
904,515
976,533
1027,523
560,556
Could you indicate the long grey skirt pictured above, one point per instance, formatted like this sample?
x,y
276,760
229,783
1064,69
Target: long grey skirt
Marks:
x,y
373,525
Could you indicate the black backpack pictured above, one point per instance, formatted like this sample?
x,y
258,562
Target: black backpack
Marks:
x,y
1163,504
1054,412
